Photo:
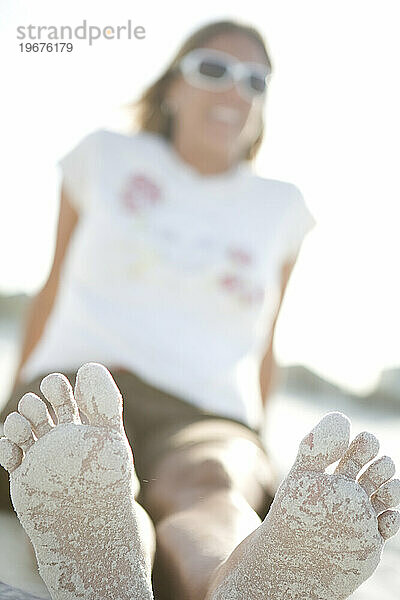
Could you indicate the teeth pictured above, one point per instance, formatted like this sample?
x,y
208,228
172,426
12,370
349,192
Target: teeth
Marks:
x,y
226,114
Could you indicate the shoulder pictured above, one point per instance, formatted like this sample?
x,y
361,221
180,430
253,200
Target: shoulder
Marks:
x,y
286,196
276,188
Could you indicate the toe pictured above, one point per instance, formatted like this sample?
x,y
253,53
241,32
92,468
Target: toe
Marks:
x,y
363,448
58,391
98,396
35,410
10,454
389,523
378,473
326,443
18,430
388,496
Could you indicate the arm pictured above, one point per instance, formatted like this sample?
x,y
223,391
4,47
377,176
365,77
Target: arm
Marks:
x,y
41,305
268,369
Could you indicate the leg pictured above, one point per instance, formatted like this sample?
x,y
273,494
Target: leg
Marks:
x,y
203,498
72,487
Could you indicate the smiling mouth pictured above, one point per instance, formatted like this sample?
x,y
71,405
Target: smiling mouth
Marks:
x,y
225,114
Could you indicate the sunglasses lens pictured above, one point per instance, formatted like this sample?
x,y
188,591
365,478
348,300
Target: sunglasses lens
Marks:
x,y
212,69
257,84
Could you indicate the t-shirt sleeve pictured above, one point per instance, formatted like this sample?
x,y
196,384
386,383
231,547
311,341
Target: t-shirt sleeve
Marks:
x,y
299,222
78,169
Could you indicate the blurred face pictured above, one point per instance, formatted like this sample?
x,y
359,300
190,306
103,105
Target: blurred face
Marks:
x,y
219,124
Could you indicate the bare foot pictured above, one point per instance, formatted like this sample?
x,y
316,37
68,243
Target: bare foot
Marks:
x,y
72,487
324,534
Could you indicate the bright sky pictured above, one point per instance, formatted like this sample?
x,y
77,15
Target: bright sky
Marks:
x,y
332,129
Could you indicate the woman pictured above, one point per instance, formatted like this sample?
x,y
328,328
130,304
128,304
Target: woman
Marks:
x,y
171,262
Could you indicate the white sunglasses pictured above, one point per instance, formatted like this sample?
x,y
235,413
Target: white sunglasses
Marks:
x,y
215,70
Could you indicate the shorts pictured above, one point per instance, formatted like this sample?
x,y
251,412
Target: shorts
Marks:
x,y
157,423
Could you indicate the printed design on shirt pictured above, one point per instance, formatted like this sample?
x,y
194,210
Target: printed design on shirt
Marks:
x,y
243,289
236,280
140,192
239,256
171,251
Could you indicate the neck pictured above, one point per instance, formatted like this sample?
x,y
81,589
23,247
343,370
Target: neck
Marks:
x,y
204,161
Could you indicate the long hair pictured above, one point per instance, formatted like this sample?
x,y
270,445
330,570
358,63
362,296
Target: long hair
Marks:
x,y
148,108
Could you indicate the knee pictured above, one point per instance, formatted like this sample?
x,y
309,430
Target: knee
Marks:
x,y
183,484
209,474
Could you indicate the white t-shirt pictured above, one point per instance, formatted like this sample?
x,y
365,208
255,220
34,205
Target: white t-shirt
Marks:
x,y
171,274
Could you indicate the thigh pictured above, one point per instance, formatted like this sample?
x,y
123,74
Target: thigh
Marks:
x,y
194,459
